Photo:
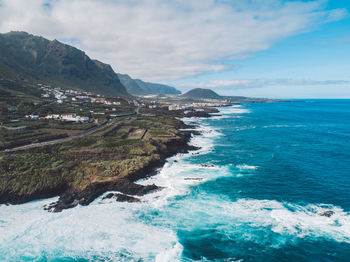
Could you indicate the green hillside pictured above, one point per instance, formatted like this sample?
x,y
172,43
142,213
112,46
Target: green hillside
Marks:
x,y
202,93
139,87
34,58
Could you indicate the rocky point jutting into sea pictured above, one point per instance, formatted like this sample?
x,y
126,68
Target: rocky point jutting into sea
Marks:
x,y
83,169
246,190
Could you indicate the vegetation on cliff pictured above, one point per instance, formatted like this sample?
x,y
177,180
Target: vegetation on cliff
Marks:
x,y
88,166
34,58
139,87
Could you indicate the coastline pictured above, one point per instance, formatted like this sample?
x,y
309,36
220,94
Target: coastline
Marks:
x,y
178,174
108,228
129,190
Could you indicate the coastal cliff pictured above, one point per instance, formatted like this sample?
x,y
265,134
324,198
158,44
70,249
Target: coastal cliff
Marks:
x,y
85,168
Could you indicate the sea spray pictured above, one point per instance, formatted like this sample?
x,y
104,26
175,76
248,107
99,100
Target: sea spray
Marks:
x,y
248,194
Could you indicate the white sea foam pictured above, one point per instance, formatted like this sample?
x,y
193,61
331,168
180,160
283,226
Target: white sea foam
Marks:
x,y
176,178
170,254
235,109
280,126
108,231
244,166
219,117
244,128
257,220
297,220
192,119
179,174
112,231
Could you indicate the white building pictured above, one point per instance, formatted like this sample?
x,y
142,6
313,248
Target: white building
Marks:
x,y
52,116
33,117
174,107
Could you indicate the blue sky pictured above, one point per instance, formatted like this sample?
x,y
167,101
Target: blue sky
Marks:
x,y
270,48
323,54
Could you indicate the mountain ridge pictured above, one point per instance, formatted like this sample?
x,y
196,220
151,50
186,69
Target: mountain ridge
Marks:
x,y
35,58
140,87
201,93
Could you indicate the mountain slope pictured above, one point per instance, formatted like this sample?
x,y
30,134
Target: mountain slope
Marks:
x,y
37,59
139,87
202,93
131,85
154,88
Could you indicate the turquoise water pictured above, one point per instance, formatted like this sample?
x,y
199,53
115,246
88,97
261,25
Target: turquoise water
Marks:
x,y
288,161
254,192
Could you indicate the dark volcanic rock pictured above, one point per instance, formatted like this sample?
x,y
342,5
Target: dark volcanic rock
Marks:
x,y
197,114
206,165
327,213
15,198
211,110
122,197
126,198
71,198
130,188
108,196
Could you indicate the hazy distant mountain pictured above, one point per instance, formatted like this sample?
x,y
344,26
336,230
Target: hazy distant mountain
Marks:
x,y
131,85
202,93
139,87
35,58
154,88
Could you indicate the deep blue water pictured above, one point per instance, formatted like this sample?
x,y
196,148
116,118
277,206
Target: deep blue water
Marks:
x,y
270,170
301,151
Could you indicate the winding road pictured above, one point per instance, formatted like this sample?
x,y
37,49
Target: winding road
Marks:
x,y
62,140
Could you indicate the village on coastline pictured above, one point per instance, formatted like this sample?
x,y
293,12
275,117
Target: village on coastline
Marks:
x,y
70,127
78,144
62,97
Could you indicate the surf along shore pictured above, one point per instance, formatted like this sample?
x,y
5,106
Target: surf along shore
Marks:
x,y
109,160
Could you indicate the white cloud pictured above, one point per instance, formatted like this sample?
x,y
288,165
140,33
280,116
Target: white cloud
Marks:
x,y
257,83
164,40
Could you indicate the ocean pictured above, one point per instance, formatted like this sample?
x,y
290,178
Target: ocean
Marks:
x,y
255,191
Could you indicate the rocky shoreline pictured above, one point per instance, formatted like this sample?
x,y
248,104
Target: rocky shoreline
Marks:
x,y
23,180
129,190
